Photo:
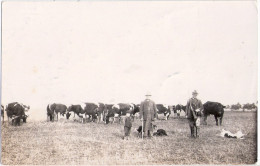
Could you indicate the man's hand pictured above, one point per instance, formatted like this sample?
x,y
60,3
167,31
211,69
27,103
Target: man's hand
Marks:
x,y
141,119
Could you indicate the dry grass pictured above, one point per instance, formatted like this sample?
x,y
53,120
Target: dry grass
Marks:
x,y
70,143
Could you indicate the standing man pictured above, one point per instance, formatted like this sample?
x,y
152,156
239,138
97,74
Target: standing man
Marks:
x,y
148,113
194,108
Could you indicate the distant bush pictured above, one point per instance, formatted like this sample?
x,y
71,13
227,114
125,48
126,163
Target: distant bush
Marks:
x,y
236,106
249,106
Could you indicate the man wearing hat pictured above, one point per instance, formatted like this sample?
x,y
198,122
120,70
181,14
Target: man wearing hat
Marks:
x,y
148,114
194,108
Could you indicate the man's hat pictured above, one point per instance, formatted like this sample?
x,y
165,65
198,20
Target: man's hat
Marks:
x,y
194,92
148,94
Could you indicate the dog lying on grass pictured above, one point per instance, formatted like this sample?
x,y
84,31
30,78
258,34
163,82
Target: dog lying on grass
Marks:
x,y
139,130
159,132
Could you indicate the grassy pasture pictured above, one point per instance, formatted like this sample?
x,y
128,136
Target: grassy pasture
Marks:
x,y
70,143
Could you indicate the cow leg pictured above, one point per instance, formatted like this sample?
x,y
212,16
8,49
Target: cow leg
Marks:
x,y
24,119
216,118
205,119
220,120
18,120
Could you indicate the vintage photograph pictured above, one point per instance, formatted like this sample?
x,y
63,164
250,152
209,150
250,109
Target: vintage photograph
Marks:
x,y
129,82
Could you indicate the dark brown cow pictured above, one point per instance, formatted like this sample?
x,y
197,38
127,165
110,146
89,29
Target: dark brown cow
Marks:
x,y
16,111
213,108
54,109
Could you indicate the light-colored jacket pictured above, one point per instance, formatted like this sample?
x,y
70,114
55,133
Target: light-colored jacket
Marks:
x,y
148,110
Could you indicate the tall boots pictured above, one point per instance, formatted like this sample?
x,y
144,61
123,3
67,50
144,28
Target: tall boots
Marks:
x,y
192,131
195,131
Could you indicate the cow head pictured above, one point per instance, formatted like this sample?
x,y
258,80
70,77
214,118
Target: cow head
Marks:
x,y
68,115
69,109
221,108
26,108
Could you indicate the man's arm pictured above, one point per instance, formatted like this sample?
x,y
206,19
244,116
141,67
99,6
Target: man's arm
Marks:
x,y
200,105
155,110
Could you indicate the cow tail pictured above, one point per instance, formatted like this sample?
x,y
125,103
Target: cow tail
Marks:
x,y
48,108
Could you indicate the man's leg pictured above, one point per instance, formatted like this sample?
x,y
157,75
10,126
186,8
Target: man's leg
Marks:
x,y
151,130
146,128
191,124
197,131
125,131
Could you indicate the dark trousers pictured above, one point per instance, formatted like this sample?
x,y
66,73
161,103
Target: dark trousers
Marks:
x,y
127,131
194,130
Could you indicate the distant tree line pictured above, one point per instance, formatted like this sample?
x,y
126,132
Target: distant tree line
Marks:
x,y
245,106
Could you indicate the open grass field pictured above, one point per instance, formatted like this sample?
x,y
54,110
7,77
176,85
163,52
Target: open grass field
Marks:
x,y
69,142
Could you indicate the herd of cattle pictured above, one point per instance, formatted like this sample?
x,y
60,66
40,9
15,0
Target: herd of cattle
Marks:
x,y
98,112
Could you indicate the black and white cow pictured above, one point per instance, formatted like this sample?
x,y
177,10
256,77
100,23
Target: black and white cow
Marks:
x,y
119,110
163,109
16,111
213,108
179,108
94,111
77,109
136,111
54,109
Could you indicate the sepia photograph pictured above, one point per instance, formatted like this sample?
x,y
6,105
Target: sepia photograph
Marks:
x,y
129,82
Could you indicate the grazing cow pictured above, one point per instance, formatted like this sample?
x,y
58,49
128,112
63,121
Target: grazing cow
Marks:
x,y
2,113
213,108
108,112
119,110
77,109
16,111
54,109
91,110
179,108
163,109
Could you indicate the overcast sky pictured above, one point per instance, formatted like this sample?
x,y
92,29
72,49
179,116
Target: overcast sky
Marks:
x,y
72,52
